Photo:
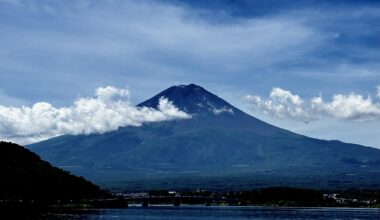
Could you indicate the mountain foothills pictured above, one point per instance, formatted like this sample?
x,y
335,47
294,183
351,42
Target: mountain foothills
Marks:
x,y
24,176
219,147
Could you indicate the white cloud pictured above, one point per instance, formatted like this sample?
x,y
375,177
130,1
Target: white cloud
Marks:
x,y
170,111
110,42
284,104
158,37
107,111
350,107
218,111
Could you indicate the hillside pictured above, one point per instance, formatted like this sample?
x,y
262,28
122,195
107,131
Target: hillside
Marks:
x,y
25,176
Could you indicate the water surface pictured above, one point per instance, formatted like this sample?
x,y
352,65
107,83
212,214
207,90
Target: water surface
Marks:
x,y
220,213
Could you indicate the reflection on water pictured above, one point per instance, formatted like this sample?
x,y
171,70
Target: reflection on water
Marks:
x,y
218,212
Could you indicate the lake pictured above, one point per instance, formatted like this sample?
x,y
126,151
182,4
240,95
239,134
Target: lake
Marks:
x,y
220,213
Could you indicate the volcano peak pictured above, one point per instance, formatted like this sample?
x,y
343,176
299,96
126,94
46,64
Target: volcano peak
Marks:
x,y
192,99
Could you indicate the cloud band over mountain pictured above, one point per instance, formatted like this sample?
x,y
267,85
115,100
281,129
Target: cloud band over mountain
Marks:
x,y
107,111
284,104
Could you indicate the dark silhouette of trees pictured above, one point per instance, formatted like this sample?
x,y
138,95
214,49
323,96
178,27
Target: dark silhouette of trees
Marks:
x,y
24,176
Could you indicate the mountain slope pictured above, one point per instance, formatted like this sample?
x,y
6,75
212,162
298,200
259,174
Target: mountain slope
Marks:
x,y
25,176
219,141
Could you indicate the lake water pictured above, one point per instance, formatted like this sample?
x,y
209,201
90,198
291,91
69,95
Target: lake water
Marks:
x,y
220,213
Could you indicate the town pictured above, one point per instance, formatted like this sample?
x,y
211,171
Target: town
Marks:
x,y
277,196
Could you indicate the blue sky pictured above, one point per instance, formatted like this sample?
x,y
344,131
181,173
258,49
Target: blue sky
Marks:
x,y
55,51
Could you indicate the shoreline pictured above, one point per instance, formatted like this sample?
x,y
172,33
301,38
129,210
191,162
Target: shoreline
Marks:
x,y
248,206
89,206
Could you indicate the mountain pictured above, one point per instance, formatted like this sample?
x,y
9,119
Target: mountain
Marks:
x,y
25,176
220,147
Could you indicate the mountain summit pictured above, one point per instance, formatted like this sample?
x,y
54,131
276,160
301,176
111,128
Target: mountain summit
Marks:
x,y
192,99
220,147
209,110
